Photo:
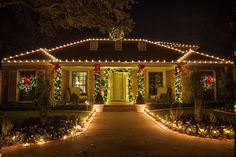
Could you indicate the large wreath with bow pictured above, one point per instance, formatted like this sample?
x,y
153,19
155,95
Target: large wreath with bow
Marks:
x,y
207,82
27,83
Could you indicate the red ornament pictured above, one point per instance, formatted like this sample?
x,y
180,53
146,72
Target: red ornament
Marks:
x,y
97,68
26,80
141,69
56,68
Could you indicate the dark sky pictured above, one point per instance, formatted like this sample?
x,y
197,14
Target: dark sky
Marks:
x,y
203,22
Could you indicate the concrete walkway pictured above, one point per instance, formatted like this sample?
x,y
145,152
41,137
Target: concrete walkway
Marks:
x,y
127,134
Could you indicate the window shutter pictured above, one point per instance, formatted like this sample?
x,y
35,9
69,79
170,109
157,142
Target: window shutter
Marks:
x,y
93,45
12,86
142,46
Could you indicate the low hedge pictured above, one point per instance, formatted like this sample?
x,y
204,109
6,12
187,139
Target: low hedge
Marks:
x,y
30,130
28,107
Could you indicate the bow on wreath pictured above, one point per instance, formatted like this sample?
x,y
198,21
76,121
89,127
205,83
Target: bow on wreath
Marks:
x,y
26,79
97,68
208,80
141,69
56,68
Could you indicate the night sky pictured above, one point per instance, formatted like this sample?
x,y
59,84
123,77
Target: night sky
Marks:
x,y
208,23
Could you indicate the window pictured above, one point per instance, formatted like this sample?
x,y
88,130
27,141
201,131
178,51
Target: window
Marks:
x,y
155,81
26,96
79,79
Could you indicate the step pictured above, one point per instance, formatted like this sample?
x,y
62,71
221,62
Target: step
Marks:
x,y
119,108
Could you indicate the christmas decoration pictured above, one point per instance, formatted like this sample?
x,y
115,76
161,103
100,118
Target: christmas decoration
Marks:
x,y
107,74
187,127
57,84
141,80
207,82
97,79
178,84
57,128
117,33
27,83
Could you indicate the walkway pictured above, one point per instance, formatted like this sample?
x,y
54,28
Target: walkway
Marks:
x,y
127,134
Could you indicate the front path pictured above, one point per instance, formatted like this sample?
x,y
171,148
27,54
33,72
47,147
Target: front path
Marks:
x,y
127,134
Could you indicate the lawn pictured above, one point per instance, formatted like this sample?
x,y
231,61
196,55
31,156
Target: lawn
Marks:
x,y
15,116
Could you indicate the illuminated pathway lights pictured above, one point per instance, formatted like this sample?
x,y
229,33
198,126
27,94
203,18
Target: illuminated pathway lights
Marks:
x,y
126,134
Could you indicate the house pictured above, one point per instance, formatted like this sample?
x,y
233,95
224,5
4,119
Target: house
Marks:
x,y
119,70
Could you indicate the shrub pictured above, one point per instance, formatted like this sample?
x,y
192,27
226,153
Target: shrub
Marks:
x,y
99,99
140,99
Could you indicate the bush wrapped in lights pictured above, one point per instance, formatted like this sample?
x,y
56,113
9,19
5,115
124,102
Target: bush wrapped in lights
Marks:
x,y
30,131
191,128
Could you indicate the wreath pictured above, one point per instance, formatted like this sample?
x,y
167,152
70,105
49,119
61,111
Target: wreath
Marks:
x,y
117,33
27,83
207,82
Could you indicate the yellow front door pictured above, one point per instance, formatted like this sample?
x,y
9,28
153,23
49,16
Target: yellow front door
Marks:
x,y
118,86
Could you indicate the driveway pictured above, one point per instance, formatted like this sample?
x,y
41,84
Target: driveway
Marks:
x,y
127,134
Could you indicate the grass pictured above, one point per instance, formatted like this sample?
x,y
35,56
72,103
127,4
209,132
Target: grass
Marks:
x,y
19,115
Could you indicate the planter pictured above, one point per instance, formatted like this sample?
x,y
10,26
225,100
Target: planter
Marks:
x,y
140,107
99,107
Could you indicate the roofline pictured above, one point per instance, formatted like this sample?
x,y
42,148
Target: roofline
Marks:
x,y
158,43
29,52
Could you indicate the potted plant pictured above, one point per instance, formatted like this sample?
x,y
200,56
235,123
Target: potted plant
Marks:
x,y
99,103
140,105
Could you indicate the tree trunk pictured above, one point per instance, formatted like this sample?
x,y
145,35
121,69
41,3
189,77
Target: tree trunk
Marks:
x,y
197,97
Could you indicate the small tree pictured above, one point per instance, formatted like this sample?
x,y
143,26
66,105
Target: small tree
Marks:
x,y
140,99
42,92
99,99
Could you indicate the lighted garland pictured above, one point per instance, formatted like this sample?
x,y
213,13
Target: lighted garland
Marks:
x,y
209,131
107,74
57,128
178,84
141,80
27,83
207,82
57,84
117,33
97,79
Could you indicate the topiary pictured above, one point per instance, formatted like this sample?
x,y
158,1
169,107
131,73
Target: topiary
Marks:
x,y
99,99
140,99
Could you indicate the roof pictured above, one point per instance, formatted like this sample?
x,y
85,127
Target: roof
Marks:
x,y
156,51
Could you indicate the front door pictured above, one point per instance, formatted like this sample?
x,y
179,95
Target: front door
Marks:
x,y
118,86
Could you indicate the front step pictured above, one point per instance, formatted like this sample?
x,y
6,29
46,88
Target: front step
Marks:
x,y
119,108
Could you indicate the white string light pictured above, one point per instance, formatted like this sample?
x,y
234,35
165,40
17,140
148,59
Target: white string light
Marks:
x,y
158,43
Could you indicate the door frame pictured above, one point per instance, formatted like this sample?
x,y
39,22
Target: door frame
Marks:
x,y
125,87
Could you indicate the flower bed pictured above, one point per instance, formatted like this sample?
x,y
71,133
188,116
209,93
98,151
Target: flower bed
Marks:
x,y
56,128
192,128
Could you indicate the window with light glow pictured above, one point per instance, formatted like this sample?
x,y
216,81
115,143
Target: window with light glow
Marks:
x,y
79,79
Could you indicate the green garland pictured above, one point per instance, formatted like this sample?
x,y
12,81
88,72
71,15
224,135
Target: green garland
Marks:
x,y
57,84
97,80
141,80
107,74
178,84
